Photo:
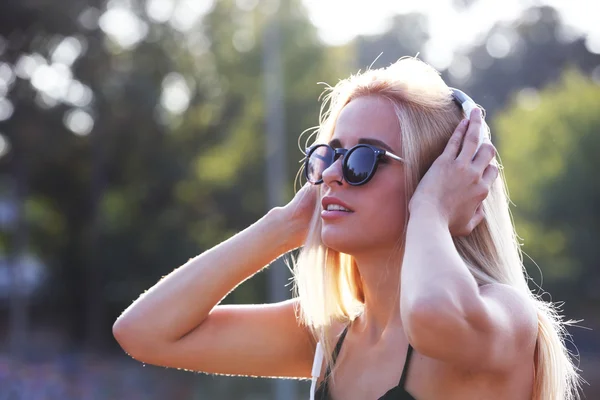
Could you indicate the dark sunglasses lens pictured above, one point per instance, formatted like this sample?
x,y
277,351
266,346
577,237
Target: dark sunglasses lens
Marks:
x,y
319,160
359,164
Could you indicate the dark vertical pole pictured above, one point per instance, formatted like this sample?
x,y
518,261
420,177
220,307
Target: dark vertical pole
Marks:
x,y
18,296
94,275
275,173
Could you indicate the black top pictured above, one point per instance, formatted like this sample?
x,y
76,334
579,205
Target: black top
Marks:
x,y
395,393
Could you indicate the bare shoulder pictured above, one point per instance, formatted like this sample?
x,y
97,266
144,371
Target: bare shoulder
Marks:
x,y
508,295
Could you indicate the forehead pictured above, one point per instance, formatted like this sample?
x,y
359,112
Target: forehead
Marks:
x,y
368,117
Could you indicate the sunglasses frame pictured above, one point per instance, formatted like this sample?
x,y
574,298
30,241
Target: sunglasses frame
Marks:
x,y
342,152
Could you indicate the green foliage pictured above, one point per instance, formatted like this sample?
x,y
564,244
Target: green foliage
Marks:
x,y
549,145
112,212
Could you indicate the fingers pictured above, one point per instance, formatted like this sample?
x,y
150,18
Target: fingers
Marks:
x,y
489,175
484,156
477,218
471,139
451,150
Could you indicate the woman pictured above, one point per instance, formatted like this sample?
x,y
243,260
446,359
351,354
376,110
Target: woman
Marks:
x,y
410,270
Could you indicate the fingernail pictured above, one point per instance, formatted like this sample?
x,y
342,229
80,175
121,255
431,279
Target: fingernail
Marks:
x,y
464,121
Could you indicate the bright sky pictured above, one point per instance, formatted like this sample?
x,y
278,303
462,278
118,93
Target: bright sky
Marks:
x,y
340,20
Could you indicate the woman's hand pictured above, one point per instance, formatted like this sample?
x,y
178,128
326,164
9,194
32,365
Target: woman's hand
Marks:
x,y
298,213
456,184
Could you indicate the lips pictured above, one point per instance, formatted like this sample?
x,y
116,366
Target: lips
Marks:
x,y
327,200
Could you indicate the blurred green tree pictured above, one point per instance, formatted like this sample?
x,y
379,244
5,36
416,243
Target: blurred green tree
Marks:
x,y
549,144
406,36
174,160
528,52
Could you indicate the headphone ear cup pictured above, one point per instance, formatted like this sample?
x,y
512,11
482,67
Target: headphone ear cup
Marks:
x,y
467,104
482,135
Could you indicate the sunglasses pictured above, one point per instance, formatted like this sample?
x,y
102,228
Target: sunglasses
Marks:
x,y
359,163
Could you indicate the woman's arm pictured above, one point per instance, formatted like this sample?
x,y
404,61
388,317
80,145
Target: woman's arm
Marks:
x,y
444,312
177,322
432,270
447,316
181,300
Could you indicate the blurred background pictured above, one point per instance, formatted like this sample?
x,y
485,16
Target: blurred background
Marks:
x,y
135,134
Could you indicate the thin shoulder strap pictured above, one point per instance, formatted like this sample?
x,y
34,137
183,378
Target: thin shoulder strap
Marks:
x,y
336,351
405,369
339,343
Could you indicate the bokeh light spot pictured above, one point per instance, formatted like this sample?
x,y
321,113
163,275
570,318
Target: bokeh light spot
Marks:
x,y
4,145
460,69
498,45
160,11
79,94
6,109
89,18
67,51
79,122
176,93
187,13
7,74
592,43
123,26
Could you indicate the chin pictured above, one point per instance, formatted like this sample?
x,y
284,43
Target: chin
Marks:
x,y
342,239
337,239
349,241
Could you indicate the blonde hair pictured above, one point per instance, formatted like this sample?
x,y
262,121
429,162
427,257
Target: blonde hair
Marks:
x,y
328,283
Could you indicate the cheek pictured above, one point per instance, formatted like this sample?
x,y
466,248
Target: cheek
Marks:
x,y
385,221
387,213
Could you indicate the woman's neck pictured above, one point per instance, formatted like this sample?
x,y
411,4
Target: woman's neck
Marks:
x,y
381,284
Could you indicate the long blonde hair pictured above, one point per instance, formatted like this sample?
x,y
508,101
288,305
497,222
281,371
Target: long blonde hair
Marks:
x,y
328,283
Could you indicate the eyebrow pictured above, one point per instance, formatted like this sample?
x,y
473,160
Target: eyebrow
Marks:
x,y
374,142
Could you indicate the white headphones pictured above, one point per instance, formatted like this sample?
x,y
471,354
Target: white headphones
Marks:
x,y
467,104
316,369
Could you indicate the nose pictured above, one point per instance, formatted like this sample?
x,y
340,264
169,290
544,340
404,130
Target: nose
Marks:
x,y
333,173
